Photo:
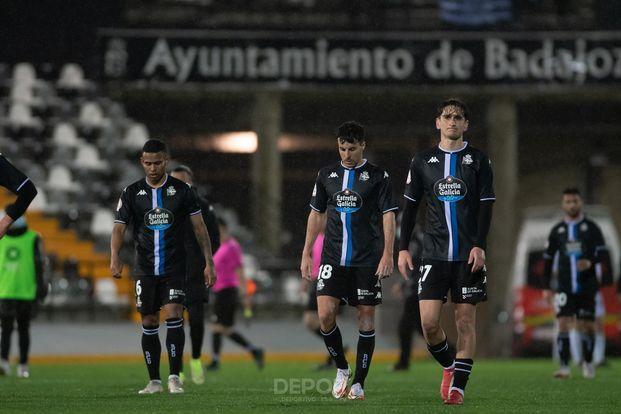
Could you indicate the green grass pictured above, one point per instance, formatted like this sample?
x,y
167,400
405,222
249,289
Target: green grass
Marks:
x,y
520,386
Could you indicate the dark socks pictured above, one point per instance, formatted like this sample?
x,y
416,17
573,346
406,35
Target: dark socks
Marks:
x,y
334,344
366,345
5,340
463,367
216,345
241,341
23,329
588,344
405,341
197,329
564,351
442,353
151,348
175,341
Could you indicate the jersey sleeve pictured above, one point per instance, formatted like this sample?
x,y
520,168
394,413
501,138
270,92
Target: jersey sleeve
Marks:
x,y
10,177
601,257
319,198
414,182
192,203
486,181
552,247
385,201
123,209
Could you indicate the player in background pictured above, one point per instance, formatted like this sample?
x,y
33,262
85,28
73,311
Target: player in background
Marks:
x,y
456,180
22,286
17,183
354,196
197,294
157,207
576,249
231,283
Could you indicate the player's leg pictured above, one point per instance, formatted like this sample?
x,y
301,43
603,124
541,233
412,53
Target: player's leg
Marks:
x,y
227,319
196,316
408,323
24,316
366,346
599,351
327,309
7,321
585,323
565,310
171,294
216,344
148,305
311,321
465,318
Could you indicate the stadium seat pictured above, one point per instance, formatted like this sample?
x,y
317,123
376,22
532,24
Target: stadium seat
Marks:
x,y
20,116
40,202
72,77
23,93
135,137
24,73
91,117
60,179
106,293
102,222
65,135
88,158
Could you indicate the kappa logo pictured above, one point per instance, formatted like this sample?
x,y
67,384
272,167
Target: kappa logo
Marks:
x,y
561,230
386,174
433,160
170,191
142,192
364,176
467,159
333,175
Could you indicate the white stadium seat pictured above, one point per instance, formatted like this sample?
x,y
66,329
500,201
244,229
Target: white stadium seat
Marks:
x,y
20,115
88,158
91,115
135,137
71,77
60,179
102,222
65,135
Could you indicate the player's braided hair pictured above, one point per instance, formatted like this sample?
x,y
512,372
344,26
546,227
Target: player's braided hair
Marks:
x,y
457,104
351,131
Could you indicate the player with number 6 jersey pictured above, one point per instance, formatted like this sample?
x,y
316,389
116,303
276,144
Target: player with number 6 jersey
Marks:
x,y
353,195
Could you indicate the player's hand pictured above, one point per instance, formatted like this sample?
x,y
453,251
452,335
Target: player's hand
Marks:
x,y
405,263
477,259
583,264
385,267
548,295
116,268
306,267
210,276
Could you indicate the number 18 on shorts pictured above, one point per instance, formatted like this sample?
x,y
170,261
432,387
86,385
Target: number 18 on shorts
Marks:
x,y
354,285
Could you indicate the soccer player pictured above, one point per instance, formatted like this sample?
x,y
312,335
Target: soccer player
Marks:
x,y
157,207
196,294
16,182
231,279
456,180
356,198
576,248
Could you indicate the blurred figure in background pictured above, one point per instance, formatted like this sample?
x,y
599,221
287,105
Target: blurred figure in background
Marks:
x,y
16,182
197,295
231,282
21,287
575,248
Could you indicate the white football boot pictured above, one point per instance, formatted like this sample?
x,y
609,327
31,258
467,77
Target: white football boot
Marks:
x,y
152,387
339,388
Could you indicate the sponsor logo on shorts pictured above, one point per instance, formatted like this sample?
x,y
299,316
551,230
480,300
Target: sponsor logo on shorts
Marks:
x,y
347,201
364,292
175,294
158,219
450,189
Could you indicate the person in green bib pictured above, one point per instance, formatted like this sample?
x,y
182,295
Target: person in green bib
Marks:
x,y
21,287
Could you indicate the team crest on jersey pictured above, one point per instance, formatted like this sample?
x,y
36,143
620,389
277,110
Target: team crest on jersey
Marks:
x,y
467,159
158,219
170,191
450,189
584,227
347,201
364,176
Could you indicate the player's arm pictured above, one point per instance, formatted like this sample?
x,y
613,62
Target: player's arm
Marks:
x,y
116,242
412,196
386,264
601,257
15,181
202,237
39,259
548,257
314,225
484,221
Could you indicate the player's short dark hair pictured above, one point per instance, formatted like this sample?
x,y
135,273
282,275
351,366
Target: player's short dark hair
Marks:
x,y
154,146
456,103
571,191
352,132
185,169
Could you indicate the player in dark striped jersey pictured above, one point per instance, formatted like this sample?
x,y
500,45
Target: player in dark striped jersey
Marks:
x,y
456,180
157,208
357,197
16,182
577,250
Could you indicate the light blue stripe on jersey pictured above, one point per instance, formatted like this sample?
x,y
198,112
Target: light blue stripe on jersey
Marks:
x,y
156,238
455,229
573,258
162,250
350,243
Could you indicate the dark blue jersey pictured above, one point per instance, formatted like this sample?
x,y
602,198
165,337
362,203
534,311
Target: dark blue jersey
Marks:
x,y
454,184
355,200
158,217
10,177
570,241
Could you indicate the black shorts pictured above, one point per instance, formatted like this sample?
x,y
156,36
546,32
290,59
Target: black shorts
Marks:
x,y
311,303
437,277
153,292
581,306
224,306
17,309
354,285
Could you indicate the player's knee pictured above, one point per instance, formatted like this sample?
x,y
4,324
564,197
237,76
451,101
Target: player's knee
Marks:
x,y
465,326
326,319
431,328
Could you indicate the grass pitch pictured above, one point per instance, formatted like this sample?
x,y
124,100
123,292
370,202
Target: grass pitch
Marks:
x,y
519,386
